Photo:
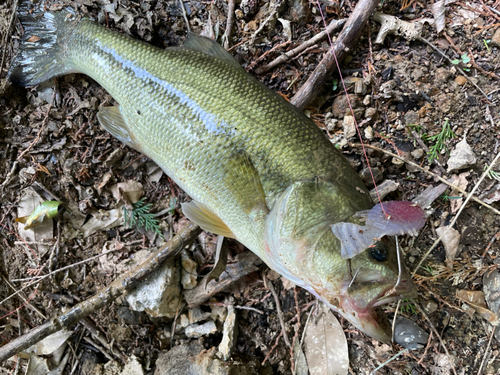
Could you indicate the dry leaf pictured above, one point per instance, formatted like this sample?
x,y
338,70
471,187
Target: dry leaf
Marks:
x,y
33,39
301,367
476,300
392,25
129,192
103,220
451,240
326,345
51,343
462,184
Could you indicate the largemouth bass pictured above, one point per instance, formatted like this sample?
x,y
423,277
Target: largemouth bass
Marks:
x,y
258,170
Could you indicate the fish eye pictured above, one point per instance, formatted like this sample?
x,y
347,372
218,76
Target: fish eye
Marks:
x,y
378,251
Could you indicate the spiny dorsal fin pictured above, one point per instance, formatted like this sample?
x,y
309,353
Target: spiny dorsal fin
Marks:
x,y
203,216
210,47
112,120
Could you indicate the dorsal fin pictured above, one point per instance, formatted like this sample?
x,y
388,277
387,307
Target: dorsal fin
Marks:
x,y
200,214
210,47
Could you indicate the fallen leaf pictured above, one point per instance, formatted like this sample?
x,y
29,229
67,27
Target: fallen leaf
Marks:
x,y
301,367
287,28
461,182
51,343
129,192
476,299
326,345
451,240
103,220
46,210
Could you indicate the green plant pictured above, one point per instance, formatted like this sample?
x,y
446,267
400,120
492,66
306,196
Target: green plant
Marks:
x,y
407,306
428,269
140,217
464,59
492,174
335,84
446,197
486,42
440,139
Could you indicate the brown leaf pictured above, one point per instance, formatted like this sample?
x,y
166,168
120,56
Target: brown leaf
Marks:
x,y
33,39
451,240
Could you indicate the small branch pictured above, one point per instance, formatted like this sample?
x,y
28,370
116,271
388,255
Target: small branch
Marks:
x,y
105,296
346,39
229,24
308,43
7,35
270,286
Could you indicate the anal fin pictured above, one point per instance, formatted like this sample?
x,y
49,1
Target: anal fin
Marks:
x,y
113,121
203,216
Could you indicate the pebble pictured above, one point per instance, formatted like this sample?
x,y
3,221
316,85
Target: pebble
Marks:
x,y
366,176
229,334
349,127
367,100
369,133
430,306
495,40
461,80
371,113
397,162
417,153
195,331
443,75
409,335
189,271
196,315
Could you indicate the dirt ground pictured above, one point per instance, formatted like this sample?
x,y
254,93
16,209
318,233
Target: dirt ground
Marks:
x,y
403,92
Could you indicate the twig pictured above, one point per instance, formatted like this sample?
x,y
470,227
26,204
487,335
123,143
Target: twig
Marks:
x,y
105,296
493,239
389,360
7,35
459,70
273,347
437,335
477,200
270,286
181,2
229,24
487,350
458,213
23,297
308,43
346,39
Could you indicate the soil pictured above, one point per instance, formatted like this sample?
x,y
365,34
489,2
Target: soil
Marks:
x,y
52,146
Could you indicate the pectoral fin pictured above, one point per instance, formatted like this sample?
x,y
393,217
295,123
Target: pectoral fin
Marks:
x,y
244,184
203,216
112,120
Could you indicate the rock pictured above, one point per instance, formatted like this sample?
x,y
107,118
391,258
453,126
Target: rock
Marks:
x,y
461,157
160,294
417,154
369,133
114,157
229,334
195,331
298,11
443,75
331,124
461,80
430,306
409,335
196,315
349,127
189,271
495,40
417,74
184,321
192,359
340,105
371,113
133,367
367,100
397,162
385,188
367,177
411,118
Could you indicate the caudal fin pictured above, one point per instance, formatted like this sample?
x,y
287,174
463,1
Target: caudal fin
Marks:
x,y
43,51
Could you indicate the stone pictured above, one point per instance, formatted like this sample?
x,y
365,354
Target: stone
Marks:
x,y
397,162
461,80
340,105
417,154
160,294
196,315
189,273
409,335
349,127
371,113
495,40
367,177
133,367
229,334
195,331
369,133
443,75
411,118
461,157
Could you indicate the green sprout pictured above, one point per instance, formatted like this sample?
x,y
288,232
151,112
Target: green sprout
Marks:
x,y
440,140
140,217
464,59
446,197
486,42
492,174
407,306
428,269
335,84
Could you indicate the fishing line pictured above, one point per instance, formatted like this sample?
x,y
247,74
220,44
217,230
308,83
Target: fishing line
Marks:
x,y
350,107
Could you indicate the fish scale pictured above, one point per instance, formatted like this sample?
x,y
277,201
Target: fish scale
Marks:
x,y
257,168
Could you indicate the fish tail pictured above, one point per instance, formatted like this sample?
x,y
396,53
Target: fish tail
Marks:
x,y
44,45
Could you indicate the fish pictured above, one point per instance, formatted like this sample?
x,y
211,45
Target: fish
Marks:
x,y
257,168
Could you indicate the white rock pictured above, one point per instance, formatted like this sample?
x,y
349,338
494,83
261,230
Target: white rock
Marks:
x,y
369,133
461,157
349,127
195,331
229,334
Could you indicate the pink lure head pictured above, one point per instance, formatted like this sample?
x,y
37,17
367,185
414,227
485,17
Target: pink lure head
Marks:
x,y
398,217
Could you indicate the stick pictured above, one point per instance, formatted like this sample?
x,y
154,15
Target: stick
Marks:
x,y
105,296
308,43
346,39
270,286
229,24
477,200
